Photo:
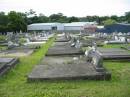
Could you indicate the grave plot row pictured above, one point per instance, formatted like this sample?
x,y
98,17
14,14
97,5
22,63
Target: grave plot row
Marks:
x,y
67,67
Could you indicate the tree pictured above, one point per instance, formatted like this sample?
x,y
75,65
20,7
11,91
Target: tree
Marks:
x,y
127,15
58,18
16,22
3,19
43,18
90,19
55,17
3,22
31,13
73,19
114,17
109,22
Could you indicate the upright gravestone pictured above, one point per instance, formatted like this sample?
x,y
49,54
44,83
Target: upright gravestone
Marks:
x,y
73,42
10,39
78,44
94,57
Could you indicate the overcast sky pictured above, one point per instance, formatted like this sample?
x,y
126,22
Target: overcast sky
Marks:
x,y
77,8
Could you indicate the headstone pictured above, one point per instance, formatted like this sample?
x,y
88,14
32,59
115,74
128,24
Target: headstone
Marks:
x,y
78,44
95,58
116,38
94,46
73,42
123,39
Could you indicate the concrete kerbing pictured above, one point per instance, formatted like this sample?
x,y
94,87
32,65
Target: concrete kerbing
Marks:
x,y
7,66
104,76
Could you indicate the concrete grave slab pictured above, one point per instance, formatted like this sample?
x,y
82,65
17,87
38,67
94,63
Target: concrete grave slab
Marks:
x,y
17,52
63,49
114,53
62,68
86,43
61,39
6,64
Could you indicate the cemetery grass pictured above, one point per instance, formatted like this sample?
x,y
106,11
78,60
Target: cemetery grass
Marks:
x,y
115,45
15,84
3,47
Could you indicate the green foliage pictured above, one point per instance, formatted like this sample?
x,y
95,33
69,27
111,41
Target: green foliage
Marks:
x,y
22,41
58,18
73,19
127,14
109,22
3,19
114,17
2,38
16,22
115,45
3,47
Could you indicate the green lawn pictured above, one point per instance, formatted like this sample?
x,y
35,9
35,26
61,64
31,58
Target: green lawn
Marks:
x,y
3,47
115,45
15,84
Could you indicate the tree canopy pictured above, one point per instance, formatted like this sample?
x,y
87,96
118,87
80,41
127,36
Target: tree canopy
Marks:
x,y
109,22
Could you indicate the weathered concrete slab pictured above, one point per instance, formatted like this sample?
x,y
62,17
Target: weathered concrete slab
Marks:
x,y
62,39
63,49
27,47
16,52
55,68
111,50
6,64
86,43
114,53
6,60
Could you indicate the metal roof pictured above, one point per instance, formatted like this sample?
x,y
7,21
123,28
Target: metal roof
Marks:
x,y
123,24
44,24
79,23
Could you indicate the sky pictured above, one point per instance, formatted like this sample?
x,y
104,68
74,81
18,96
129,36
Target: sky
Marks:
x,y
79,8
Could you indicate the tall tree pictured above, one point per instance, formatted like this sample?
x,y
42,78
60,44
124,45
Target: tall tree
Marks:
x,y
3,22
43,18
127,14
16,22
58,18
3,19
114,17
109,22
73,19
